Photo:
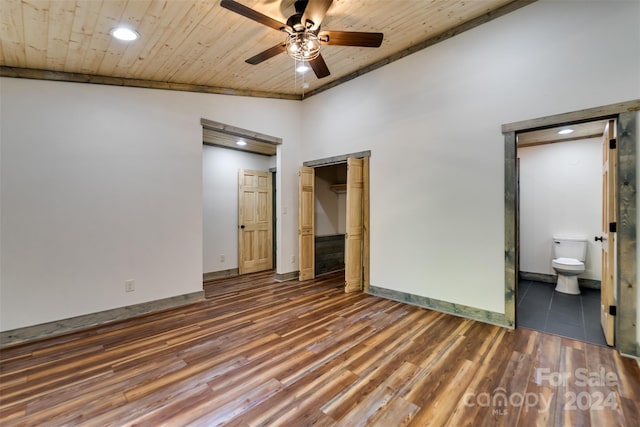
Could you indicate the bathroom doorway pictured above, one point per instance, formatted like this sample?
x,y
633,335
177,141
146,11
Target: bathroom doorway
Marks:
x,y
624,307
560,197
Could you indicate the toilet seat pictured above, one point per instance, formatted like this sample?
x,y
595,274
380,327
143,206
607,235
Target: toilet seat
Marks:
x,y
568,261
568,264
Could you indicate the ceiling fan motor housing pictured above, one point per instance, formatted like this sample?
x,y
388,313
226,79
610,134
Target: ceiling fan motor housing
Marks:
x,y
295,22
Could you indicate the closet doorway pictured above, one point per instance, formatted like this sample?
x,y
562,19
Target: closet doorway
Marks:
x,y
334,213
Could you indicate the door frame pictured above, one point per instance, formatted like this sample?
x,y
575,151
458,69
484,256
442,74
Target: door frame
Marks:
x,y
260,144
625,114
274,218
342,159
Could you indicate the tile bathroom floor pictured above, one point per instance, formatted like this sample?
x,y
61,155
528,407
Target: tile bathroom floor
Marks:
x,y
541,308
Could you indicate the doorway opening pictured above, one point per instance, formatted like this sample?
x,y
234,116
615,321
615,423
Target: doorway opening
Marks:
x,y
560,206
239,186
333,219
623,310
330,217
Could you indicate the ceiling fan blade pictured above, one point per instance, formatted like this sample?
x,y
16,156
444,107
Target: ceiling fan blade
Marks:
x,y
319,67
315,12
269,53
351,38
247,12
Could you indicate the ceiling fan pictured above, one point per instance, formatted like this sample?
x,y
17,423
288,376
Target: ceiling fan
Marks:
x,y
304,36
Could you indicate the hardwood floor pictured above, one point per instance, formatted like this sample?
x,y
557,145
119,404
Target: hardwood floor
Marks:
x,y
259,352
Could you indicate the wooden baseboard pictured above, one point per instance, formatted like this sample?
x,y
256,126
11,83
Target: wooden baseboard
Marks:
x,y
280,277
60,327
550,278
537,277
443,306
589,283
219,274
634,354
285,277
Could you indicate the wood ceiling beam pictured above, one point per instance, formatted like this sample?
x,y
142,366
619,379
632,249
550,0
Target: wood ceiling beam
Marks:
x,y
61,76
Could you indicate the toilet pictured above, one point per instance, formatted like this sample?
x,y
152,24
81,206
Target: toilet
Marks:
x,y
568,262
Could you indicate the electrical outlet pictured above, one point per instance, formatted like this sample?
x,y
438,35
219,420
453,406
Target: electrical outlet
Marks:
x,y
129,285
293,259
221,258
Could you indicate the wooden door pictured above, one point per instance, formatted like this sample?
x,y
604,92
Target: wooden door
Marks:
x,y
609,174
254,221
354,238
306,232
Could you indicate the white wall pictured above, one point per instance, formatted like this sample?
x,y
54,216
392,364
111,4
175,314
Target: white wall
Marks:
x,y
433,124
560,195
220,203
101,184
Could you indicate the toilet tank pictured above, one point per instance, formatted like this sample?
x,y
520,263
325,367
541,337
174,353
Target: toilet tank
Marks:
x,y
570,247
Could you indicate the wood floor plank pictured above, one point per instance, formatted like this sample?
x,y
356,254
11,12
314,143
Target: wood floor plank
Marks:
x,y
470,410
540,410
427,388
303,409
440,405
279,407
398,413
378,400
513,384
223,408
257,352
190,370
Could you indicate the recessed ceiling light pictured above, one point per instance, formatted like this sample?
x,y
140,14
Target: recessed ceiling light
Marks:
x,y
125,34
565,131
302,68
241,143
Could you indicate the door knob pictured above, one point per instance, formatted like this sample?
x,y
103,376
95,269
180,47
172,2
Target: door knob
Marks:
x,y
601,238
242,226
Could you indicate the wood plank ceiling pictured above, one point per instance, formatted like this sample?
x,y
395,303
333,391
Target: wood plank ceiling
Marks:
x,y
592,129
197,45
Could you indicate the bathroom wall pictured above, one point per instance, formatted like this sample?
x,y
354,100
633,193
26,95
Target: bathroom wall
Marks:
x,y
560,194
220,203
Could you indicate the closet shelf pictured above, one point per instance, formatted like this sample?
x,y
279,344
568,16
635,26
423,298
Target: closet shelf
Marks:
x,y
338,188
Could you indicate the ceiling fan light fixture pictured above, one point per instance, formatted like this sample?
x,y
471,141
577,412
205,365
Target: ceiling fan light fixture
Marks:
x,y
303,46
302,68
